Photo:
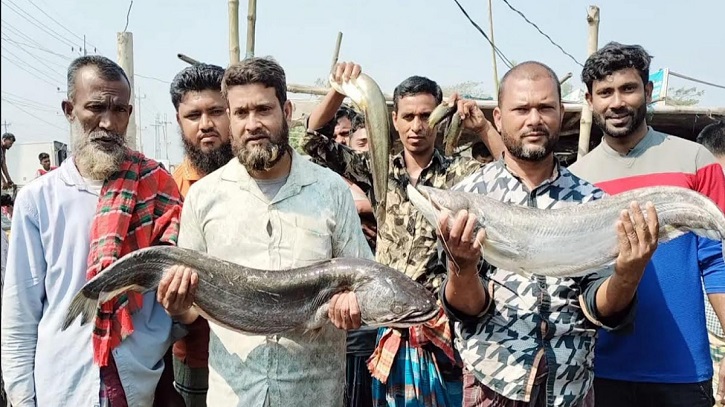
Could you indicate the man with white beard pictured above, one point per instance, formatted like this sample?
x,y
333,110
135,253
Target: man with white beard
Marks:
x,y
102,203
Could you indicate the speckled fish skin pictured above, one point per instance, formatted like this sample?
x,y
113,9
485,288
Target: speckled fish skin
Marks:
x,y
574,240
266,302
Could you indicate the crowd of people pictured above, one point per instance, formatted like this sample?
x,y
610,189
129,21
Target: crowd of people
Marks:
x,y
645,331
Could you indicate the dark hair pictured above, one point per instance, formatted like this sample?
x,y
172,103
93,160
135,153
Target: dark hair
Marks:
x,y
614,57
6,200
478,149
8,136
416,85
265,71
43,156
529,70
106,68
345,111
712,137
195,78
358,122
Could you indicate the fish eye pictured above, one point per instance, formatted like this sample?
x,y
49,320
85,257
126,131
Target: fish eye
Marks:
x,y
397,308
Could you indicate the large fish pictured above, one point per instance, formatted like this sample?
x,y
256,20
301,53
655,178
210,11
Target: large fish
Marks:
x,y
261,301
367,96
574,240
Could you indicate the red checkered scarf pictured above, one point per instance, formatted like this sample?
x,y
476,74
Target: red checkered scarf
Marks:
x,y
436,331
139,206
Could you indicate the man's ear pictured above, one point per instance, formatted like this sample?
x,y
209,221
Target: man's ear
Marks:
x,y
67,107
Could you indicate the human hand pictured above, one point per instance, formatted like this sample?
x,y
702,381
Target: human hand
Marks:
x,y
177,290
345,71
344,311
465,249
638,239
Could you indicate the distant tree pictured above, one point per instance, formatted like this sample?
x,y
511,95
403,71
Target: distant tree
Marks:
x,y
322,82
683,96
468,89
566,88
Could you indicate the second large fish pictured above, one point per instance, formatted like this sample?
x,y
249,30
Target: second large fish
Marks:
x,y
574,240
265,301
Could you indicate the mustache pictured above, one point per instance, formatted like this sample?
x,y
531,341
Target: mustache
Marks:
x,y
612,113
102,135
537,131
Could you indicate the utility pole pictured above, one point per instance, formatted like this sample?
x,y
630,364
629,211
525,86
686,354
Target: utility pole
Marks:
x,y
124,46
156,126
166,136
493,50
6,124
84,45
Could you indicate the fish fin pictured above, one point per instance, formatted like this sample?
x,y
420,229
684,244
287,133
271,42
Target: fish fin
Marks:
x,y
107,296
81,305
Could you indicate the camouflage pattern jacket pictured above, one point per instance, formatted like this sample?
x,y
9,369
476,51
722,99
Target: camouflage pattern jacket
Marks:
x,y
406,241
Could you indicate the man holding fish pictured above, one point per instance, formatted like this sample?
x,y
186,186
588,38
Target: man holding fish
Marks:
x,y
409,369
268,209
528,340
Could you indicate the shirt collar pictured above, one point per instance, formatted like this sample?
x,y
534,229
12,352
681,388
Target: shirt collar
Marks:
x,y
436,160
556,173
299,175
634,151
189,172
70,175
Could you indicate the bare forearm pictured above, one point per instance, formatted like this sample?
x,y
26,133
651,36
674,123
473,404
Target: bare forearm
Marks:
x,y
615,295
465,292
492,140
325,111
718,304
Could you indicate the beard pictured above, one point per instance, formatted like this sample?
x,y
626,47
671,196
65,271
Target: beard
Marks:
x,y
263,157
207,162
93,159
637,116
517,149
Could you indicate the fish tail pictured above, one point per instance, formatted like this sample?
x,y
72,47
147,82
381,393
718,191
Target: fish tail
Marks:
x,y
81,305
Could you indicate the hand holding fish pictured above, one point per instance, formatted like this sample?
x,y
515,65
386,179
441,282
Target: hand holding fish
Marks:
x,y
345,71
176,292
471,115
460,242
638,239
344,311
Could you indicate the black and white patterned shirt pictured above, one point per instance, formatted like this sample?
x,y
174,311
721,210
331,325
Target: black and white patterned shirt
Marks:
x,y
540,317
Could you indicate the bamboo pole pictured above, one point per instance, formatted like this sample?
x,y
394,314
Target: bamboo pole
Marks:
x,y
336,53
493,50
251,25
233,31
585,125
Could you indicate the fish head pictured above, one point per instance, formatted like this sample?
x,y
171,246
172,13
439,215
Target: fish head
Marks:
x,y
387,297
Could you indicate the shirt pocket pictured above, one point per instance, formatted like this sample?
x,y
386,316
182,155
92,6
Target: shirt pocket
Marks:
x,y
313,241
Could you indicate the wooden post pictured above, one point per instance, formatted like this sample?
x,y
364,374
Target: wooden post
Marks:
x,y
251,23
336,53
493,50
233,31
585,124
124,47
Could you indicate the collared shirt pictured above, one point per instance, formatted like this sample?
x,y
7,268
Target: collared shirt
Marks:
x,y
406,241
310,219
539,317
185,175
47,263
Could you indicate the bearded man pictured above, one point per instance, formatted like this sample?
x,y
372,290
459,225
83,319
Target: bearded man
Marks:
x,y
269,209
102,203
204,125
